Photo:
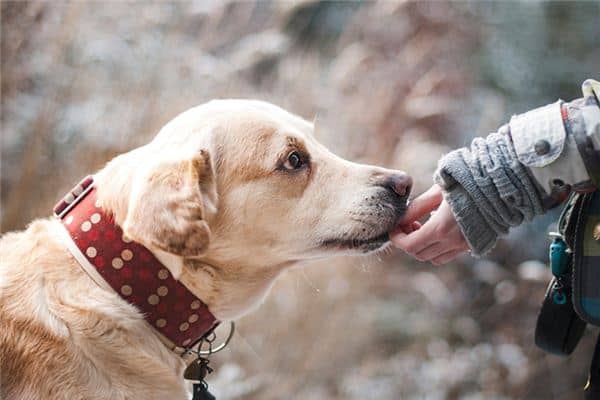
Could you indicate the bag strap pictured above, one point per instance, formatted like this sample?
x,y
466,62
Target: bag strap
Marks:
x,y
568,219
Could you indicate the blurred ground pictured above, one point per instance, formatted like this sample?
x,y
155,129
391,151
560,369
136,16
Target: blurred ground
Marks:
x,y
392,83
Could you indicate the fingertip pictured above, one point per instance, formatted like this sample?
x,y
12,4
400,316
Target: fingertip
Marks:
x,y
423,204
406,229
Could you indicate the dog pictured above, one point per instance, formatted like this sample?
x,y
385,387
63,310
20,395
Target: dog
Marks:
x,y
227,196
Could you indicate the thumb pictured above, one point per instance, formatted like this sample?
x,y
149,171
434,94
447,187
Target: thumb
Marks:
x,y
423,204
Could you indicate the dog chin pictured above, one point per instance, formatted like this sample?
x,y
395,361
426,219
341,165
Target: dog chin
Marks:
x,y
363,245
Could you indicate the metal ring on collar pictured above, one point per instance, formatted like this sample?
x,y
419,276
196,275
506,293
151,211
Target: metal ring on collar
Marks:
x,y
222,345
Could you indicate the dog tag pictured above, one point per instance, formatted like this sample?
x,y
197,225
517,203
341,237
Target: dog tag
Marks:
x,y
197,370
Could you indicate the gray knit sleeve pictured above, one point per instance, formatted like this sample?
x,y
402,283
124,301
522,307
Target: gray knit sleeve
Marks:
x,y
488,189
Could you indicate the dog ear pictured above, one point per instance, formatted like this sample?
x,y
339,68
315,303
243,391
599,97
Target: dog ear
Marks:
x,y
168,206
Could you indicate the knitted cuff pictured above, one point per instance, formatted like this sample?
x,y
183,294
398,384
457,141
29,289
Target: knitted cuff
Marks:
x,y
488,189
480,237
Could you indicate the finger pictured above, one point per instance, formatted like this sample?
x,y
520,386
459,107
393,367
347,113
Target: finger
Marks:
x,y
432,251
415,241
410,228
447,257
416,225
423,204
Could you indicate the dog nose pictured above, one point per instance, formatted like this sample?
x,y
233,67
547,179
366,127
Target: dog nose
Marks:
x,y
400,183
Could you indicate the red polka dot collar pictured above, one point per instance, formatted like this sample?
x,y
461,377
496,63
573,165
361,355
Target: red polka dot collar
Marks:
x,y
131,269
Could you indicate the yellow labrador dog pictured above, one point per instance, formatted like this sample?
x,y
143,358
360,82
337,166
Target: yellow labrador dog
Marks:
x,y
227,196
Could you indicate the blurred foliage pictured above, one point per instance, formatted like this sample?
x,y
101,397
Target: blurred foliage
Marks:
x,y
391,82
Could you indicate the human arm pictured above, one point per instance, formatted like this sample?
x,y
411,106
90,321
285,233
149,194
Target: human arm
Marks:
x,y
524,169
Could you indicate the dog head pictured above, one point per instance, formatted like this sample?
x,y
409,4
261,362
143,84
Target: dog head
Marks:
x,y
238,183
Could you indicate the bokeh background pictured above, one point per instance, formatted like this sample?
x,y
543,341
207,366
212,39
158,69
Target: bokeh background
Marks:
x,y
394,83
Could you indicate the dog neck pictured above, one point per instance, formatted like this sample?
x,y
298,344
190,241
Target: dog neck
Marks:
x,y
230,291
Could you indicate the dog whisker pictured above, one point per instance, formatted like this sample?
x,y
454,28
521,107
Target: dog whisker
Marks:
x,y
307,279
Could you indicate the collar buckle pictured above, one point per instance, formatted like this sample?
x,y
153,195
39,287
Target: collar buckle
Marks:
x,y
73,196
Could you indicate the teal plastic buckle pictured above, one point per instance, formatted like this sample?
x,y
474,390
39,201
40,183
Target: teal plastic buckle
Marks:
x,y
559,255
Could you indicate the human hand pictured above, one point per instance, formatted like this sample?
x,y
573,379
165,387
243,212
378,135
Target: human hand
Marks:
x,y
439,240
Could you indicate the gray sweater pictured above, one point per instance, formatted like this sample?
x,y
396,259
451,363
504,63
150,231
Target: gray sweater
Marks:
x,y
489,190
518,172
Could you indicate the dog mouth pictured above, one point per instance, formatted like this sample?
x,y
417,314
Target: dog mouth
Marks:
x,y
372,231
365,245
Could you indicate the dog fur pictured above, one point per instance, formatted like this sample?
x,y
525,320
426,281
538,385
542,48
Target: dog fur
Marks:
x,y
214,198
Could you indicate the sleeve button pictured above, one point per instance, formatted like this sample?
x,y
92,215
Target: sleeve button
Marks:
x,y
558,183
541,147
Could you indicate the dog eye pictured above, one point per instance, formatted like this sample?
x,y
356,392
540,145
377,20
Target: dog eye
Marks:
x,y
294,161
